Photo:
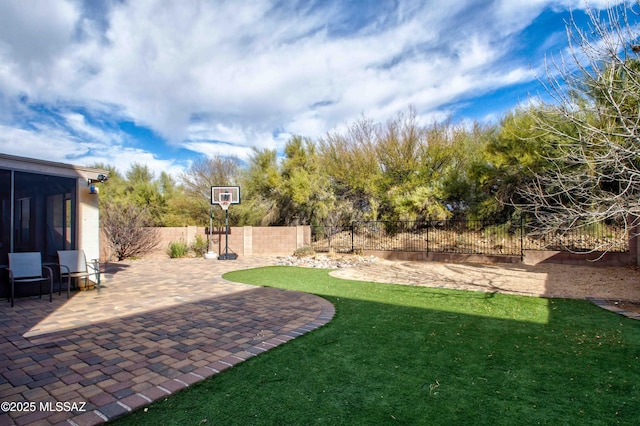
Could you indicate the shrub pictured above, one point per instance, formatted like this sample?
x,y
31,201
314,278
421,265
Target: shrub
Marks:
x,y
127,228
177,249
304,251
199,246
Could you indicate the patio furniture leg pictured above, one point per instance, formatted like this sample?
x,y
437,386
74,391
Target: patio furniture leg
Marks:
x,y
68,287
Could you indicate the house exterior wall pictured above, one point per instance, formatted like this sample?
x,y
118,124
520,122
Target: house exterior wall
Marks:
x,y
87,228
88,221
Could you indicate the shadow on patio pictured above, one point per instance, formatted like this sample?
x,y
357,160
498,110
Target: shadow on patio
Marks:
x,y
154,328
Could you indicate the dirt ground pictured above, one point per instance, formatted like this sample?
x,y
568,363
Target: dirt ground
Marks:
x,y
620,285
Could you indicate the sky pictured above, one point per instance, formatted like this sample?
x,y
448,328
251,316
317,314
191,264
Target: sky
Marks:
x,y
165,82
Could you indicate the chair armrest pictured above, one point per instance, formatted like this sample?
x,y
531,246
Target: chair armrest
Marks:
x,y
65,267
48,269
95,265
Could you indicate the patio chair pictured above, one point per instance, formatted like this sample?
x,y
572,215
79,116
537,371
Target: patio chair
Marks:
x,y
28,268
73,264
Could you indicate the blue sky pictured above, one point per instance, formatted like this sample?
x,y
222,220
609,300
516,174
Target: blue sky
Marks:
x,y
162,82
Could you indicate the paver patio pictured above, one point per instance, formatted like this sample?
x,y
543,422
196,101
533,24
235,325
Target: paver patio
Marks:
x,y
155,327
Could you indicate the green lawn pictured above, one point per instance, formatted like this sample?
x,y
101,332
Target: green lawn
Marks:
x,y
409,355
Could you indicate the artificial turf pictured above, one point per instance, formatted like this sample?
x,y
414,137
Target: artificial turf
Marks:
x,y
412,355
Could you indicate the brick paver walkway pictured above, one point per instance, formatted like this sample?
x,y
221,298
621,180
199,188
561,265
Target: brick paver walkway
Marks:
x,y
156,327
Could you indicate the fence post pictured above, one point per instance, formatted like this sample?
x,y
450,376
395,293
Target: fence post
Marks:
x,y
353,249
428,225
521,239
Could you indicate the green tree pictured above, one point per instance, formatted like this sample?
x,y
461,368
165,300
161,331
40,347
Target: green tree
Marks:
x,y
293,190
144,191
162,198
514,155
175,201
306,196
404,170
351,162
424,169
462,193
263,186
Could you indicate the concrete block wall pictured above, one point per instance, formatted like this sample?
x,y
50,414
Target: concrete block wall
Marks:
x,y
243,241
281,240
166,236
235,240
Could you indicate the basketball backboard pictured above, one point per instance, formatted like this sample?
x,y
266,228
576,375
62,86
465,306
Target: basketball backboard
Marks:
x,y
222,194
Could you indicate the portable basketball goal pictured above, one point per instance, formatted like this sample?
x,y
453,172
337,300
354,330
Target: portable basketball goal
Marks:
x,y
224,196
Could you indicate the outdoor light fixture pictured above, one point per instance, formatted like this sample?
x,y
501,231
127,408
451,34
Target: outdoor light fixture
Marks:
x,y
99,179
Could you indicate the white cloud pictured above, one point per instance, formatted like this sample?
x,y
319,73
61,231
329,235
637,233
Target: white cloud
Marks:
x,y
51,144
122,158
78,123
218,77
217,149
55,144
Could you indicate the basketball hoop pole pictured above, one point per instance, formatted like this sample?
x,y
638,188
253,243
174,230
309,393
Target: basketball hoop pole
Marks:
x,y
226,256
210,242
226,234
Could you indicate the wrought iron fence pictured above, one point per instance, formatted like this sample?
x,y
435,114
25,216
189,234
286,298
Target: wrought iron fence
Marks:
x,y
463,237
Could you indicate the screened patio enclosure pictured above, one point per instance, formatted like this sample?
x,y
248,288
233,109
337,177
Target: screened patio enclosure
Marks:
x,y
46,207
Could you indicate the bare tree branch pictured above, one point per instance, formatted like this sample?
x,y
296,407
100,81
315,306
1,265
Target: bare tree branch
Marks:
x,y
595,117
128,230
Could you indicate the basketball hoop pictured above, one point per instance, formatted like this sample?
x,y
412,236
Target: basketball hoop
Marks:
x,y
224,196
224,200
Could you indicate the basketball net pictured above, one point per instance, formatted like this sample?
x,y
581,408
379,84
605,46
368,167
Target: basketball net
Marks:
x,y
225,205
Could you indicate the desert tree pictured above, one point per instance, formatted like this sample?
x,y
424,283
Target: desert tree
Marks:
x,y
144,190
403,169
516,151
262,184
593,173
425,167
128,228
350,159
307,194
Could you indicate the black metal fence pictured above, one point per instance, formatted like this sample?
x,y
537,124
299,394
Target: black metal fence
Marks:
x,y
463,237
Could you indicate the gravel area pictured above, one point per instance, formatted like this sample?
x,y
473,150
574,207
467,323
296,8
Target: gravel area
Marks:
x,y
548,280
326,261
613,288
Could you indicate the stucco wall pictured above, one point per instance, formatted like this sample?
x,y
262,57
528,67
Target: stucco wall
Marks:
x,y
88,224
